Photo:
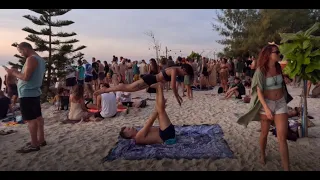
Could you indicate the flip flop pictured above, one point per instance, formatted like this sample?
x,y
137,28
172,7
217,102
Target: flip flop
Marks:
x,y
3,133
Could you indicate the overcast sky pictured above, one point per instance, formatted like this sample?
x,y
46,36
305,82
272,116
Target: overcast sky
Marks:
x,y
121,32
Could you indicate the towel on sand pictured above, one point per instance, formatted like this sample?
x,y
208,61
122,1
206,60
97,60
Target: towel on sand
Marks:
x,y
193,142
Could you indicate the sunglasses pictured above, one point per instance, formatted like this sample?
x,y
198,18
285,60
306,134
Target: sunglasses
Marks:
x,y
277,52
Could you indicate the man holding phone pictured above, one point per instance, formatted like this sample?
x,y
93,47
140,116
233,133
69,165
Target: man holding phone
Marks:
x,y
29,91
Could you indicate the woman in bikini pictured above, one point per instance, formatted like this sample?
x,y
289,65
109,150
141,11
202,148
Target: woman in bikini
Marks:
x,y
166,75
224,73
269,102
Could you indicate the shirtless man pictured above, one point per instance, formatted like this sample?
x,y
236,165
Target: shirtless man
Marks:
x,y
149,134
11,82
123,69
116,72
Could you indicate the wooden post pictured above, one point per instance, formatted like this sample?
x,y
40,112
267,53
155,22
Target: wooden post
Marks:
x,y
166,52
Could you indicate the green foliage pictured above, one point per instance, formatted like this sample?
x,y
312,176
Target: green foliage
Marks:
x,y
302,52
195,56
60,53
246,31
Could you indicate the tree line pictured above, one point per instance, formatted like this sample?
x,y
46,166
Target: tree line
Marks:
x,y
57,52
246,31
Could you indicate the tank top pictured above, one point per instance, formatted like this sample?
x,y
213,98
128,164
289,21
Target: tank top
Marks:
x,y
32,88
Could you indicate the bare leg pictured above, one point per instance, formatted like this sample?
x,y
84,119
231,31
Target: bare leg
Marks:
x,y
135,86
281,121
33,129
40,129
230,94
265,126
164,120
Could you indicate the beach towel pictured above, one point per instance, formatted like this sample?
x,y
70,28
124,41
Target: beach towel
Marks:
x,y
194,88
192,142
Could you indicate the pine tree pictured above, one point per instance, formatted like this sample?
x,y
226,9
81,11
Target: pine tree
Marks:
x,y
60,53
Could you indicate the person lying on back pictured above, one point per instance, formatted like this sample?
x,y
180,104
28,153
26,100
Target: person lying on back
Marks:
x,y
165,133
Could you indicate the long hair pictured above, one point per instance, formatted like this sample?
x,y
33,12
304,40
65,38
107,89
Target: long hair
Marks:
x,y
154,66
78,92
188,69
264,56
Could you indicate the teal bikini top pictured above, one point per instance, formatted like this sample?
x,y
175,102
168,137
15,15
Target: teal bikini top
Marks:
x,y
274,82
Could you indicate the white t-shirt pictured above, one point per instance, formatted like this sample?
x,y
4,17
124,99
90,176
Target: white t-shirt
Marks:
x,y
108,105
123,99
71,73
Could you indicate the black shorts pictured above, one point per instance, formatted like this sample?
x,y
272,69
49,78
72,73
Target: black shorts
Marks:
x,y
80,82
94,76
101,76
88,79
149,79
168,133
205,73
30,108
128,104
71,81
180,79
98,115
13,90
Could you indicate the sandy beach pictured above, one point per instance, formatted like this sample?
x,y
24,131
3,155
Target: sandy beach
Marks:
x,y
82,146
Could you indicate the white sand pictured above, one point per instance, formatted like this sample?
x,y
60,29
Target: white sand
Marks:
x,y
82,146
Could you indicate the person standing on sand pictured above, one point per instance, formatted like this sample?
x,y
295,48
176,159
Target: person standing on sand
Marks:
x,y
80,73
88,72
95,71
269,102
29,90
116,72
101,74
143,68
123,69
129,72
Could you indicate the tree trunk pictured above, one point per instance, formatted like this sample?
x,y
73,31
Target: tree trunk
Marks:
x,y
49,58
304,120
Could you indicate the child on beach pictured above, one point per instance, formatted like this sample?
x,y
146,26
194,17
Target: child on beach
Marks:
x,y
64,99
78,110
56,100
237,89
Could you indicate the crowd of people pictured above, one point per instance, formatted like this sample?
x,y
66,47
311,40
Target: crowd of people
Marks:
x,y
94,91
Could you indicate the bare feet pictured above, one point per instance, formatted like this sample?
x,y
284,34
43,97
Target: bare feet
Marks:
x,y
263,159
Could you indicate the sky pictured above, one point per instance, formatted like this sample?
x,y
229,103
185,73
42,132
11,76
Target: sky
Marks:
x,y
121,32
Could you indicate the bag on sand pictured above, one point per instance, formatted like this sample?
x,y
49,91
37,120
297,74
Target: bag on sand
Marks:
x,y
220,90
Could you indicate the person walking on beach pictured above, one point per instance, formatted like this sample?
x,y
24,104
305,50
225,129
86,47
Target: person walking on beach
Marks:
x,y
165,133
29,90
269,102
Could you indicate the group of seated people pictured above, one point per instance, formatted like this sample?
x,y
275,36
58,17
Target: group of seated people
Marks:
x,y
82,106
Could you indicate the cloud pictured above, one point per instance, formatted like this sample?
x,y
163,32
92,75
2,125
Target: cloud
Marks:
x,y
121,32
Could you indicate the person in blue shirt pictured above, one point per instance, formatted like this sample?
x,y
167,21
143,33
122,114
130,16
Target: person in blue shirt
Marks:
x,y
88,72
80,73
29,91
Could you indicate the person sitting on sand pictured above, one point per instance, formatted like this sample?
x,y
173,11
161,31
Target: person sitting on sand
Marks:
x,y
237,89
106,105
64,99
124,99
149,79
78,110
56,100
165,133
